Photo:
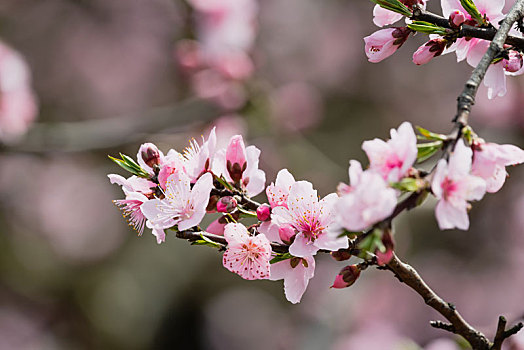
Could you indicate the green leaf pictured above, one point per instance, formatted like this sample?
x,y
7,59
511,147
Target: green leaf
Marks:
x,y
427,150
372,242
224,183
430,136
408,184
128,164
394,5
470,8
280,257
428,28
206,241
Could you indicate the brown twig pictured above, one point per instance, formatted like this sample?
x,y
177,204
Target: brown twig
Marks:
x,y
107,133
409,276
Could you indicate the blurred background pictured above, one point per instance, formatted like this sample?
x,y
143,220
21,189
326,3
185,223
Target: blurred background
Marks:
x,y
109,75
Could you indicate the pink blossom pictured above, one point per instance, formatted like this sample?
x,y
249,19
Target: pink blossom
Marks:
x,y
490,160
428,51
296,273
246,255
383,17
252,179
181,205
311,218
18,105
132,184
173,162
199,158
393,159
456,18
236,158
384,42
492,9
277,192
368,200
453,186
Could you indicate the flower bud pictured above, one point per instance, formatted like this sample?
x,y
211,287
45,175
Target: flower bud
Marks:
x,y
341,255
456,18
150,154
426,52
264,212
236,158
287,233
384,257
346,277
383,43
226,204
514,63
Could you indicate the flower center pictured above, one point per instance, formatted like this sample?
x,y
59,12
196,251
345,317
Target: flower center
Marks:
x,y
448,187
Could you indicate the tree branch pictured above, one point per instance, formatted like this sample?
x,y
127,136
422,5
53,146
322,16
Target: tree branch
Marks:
x,y
91,135
410,277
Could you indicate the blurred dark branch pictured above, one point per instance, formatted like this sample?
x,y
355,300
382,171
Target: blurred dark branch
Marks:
x,y
408,275
503,334
108,133
466,31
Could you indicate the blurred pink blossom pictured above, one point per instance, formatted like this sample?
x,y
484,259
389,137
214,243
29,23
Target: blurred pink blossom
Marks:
x,y
18,106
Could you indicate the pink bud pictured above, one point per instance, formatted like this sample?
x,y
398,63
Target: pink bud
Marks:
x,y
236,158
514,63
384,258
456,18
150,154
426,52
346,277
263,212
287,233
226,204
383,43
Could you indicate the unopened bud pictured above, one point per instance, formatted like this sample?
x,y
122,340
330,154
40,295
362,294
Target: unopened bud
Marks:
x,y
384,257
287,233
264,212
236,158
150,154
341,255
426,52
514,63
456,18
226,204
346,277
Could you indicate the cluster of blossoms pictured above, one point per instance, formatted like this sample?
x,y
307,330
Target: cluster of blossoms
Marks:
x,y
175,191
482,14
18,107
218,60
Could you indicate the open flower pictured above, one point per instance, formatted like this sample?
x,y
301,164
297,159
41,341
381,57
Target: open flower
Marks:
x,y
199,158
454,186
181,205
383,17
246,255
311,218
296,273
490,161
367,201
393,159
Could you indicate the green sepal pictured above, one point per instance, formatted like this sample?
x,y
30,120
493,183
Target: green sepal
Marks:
x,y
206,241
281,257
470,8
430,136
427,150
128,164
349,234
428,28
394,5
